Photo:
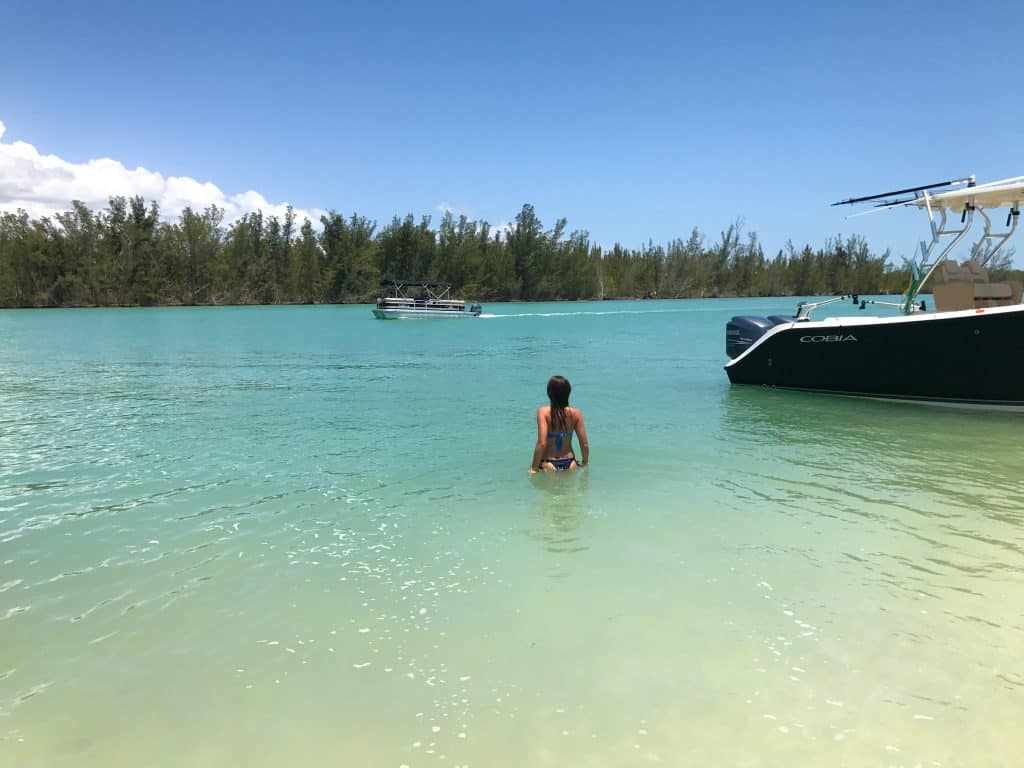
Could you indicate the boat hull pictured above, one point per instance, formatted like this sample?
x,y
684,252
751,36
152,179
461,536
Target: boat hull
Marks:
x,y
972,356
407,314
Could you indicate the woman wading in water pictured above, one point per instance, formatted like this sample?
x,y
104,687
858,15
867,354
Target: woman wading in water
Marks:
x,y
555,426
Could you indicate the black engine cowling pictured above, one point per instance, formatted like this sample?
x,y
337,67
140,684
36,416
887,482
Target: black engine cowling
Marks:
x,y
744,330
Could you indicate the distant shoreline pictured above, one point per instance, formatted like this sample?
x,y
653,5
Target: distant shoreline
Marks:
x,y
129,255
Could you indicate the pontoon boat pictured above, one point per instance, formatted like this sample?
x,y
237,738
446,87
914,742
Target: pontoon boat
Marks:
x,y
411,299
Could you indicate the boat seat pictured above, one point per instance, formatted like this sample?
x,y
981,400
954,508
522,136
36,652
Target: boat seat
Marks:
x,y
993,291
968,272
966,286
976,272
950,272
970,295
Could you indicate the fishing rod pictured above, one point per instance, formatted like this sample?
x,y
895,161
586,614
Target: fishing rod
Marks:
x,y
924,187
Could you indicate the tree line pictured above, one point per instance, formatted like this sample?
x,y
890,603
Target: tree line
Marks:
x,y
127,255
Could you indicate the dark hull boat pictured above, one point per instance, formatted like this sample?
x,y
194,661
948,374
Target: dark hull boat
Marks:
x,y
969,349
970,356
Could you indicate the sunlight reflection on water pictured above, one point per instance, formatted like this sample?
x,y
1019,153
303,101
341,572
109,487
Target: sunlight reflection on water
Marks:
x,y
302,536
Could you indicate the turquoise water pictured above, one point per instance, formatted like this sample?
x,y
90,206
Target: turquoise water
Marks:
x,y
301,536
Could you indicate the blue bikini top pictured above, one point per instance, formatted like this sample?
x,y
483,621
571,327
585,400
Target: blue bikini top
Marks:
x,y
558,438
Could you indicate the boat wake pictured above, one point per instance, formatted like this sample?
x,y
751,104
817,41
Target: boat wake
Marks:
x,y
577,314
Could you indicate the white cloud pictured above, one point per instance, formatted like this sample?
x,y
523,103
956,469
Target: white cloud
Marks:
x,y
454,210
46,184
502,228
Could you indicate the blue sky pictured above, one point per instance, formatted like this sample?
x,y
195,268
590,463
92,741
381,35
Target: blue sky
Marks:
x,y
634,121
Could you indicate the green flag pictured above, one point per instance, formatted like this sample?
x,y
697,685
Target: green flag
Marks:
x,y
916,276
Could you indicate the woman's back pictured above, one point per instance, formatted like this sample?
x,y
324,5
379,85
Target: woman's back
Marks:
x,y
556,424
561,426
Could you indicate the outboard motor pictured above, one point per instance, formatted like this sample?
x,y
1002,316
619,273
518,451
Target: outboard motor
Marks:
x,y
476,309
744,330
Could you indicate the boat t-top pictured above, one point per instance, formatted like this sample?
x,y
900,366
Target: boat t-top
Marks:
x,y
968,348
418,298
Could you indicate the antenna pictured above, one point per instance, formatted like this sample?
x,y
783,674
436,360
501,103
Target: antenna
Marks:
x,y
923,187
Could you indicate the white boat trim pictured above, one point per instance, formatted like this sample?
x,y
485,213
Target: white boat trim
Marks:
x,y
853,321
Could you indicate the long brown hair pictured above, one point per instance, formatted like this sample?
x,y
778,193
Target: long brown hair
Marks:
x,y
558,393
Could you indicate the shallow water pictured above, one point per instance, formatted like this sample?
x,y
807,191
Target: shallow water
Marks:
x,y
297,535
